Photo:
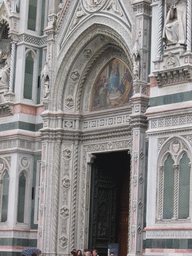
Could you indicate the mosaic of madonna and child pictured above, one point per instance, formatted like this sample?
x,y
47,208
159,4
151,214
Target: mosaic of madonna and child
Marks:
x,y
113,86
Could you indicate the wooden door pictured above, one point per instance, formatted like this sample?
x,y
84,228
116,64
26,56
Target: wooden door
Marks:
x,y
109,202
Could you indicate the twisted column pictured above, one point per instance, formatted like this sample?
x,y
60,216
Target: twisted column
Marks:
x,y
56,195
12,65
188,25
161,186
176,192
160,28
74,194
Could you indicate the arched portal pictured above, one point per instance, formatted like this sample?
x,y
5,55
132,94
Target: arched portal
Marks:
x,y
89,115
95,99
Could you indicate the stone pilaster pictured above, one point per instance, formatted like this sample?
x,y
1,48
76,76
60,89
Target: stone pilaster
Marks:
x,y
49,199
139,126
139,102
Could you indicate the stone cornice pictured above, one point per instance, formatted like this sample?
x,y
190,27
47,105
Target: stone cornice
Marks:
x,y
174,75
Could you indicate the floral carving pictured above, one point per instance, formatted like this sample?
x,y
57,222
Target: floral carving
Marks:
x,y
75,75
67,153
64,212
87,53
63,242
66,183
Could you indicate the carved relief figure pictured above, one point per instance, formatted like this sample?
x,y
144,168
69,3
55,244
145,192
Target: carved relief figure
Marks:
x,y
175,24
93,5
113,86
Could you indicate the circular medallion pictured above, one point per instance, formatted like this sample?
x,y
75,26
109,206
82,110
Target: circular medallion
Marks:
x,y
93,5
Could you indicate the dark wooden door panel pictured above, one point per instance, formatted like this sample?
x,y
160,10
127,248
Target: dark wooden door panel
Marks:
x,y
109,202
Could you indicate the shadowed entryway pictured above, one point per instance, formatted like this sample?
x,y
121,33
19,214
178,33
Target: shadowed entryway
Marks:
x,y
109,202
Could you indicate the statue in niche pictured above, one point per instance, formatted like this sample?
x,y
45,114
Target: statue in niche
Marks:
x,y
45,75
175,24
5,70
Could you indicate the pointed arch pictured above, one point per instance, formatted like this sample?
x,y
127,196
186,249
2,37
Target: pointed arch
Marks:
x,y
5,196
173,185
75,65
28,78
22,182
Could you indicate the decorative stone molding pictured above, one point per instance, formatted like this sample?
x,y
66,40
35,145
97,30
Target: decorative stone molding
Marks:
x,y
37,41
177,234
173,75
141,8
179,119
106,122
18,234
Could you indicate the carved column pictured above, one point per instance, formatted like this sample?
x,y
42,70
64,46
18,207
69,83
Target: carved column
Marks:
x,y
52,12
176,191
189,25
160,28
139,103
12,66
48,226
1,182
160,195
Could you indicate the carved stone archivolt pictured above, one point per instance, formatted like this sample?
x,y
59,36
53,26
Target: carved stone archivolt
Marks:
x,y
92,39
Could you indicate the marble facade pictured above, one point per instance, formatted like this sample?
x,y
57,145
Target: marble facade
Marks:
x,y
107,76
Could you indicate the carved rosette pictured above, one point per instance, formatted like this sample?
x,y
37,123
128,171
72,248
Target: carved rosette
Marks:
x,y
65,185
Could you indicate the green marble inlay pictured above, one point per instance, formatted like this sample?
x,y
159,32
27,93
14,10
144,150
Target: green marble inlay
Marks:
x,y
10,254
172,98
167,243
18,242
20,125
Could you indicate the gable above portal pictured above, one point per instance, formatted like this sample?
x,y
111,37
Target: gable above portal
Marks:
x,y
88,12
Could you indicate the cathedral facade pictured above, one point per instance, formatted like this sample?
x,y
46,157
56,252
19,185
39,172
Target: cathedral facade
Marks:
x,y
96,126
